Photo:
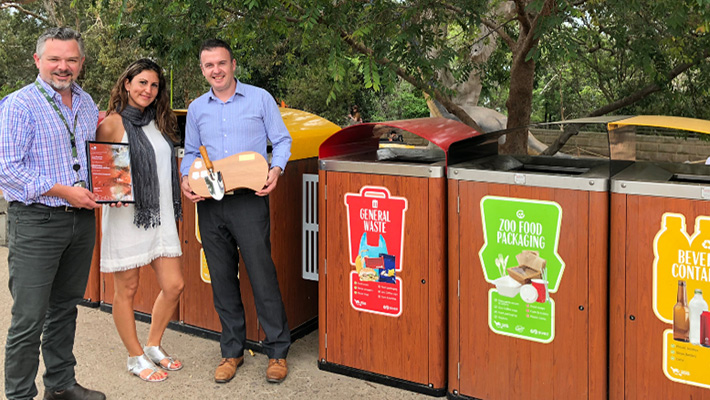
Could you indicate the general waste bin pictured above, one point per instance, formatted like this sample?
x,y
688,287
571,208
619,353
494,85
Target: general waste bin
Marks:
x,y
382,314
289,203
528,240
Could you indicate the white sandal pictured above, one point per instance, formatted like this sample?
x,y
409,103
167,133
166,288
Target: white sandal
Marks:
x,y
157,355
140,363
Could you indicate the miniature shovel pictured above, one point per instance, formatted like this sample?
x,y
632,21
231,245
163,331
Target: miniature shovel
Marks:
x,y
214,182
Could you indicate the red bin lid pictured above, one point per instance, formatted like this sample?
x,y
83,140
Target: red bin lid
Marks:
x,y
361,137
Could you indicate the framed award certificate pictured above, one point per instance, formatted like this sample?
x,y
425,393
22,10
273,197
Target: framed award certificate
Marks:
x,y
110,172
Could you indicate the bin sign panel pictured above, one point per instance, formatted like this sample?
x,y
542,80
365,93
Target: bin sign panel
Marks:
x,y
681,288
375,237
519,258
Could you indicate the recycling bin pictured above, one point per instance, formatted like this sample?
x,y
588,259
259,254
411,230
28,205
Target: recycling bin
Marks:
x,y
382,275
528,277
290,202
660,282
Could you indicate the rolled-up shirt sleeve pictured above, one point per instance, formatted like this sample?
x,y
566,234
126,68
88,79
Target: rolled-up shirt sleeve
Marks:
x,y
17,180
277,133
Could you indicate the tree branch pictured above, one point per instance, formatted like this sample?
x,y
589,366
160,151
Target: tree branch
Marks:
x,y
23,10
644,92
497,29
522,16
435,93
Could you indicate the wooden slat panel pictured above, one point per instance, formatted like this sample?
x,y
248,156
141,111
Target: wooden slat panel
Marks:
x,y
437,282
453,278
322,276
617,288
598,309
391,346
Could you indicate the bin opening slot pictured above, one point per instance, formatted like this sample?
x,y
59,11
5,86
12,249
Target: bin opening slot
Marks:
x,y
556,169
687,178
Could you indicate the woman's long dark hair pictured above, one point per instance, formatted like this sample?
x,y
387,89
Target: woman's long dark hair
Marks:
x,y
164,117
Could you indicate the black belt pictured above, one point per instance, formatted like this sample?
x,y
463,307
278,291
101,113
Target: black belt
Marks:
x,y
44,207
239,191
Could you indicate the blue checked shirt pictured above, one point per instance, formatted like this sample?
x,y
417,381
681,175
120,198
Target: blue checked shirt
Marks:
x,y
243,123
35,148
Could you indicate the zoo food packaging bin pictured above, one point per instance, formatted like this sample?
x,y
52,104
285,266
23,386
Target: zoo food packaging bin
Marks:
x,y
528,240
660,282
382,312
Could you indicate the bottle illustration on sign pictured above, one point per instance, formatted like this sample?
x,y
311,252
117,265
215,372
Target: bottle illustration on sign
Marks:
x,y
681,323
696,308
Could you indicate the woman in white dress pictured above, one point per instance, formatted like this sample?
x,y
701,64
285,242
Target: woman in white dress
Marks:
x,y
145,232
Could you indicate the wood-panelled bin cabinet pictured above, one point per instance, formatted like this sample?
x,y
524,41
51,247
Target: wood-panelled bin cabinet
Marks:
x,y
660,282
293,200
296,192
528,240
382,314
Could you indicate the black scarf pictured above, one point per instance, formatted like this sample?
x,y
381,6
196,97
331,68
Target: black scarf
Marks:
x,y
144,173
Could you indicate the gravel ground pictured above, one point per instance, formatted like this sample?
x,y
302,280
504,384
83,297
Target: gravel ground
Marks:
x,y
102,365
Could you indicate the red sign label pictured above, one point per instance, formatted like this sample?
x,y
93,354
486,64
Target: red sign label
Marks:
x,y
375,237
376,297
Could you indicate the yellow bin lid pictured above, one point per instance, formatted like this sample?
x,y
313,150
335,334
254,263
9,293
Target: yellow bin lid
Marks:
x,y
307,130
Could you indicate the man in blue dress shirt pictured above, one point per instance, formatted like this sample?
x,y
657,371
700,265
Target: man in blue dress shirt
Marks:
x,y
231,118
43,130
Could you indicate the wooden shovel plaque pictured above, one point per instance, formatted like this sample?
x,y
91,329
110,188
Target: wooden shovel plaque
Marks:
x,y
246,170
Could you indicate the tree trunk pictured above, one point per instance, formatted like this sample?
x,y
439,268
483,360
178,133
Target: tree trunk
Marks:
x,y
519,104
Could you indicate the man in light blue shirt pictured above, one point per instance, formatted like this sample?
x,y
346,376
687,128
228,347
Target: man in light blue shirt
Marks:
x,y
43,132
234,117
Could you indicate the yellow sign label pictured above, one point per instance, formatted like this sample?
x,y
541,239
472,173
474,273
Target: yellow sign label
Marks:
x,y
197,226
679,257
684,362
204,272
246,157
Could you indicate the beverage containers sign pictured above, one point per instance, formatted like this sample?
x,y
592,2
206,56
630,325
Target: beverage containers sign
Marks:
x,y
519,258
375,237
681,287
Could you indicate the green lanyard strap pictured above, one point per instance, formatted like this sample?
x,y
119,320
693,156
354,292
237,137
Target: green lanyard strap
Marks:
x,y
76,167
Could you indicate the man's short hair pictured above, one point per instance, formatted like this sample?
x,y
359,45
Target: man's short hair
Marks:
x,y
210,44
62,33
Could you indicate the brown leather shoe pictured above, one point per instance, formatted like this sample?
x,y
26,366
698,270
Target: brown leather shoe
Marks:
x,y
277,370
227,368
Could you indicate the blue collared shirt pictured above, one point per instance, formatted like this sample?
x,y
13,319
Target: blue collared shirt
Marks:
x,y
242,123
35,148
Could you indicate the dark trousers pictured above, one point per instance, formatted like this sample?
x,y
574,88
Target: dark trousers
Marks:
x,y
49,259
242,221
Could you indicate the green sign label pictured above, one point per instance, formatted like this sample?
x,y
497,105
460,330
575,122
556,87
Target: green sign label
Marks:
x,y
519,258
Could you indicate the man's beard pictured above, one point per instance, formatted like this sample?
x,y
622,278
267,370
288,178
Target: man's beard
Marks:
x,y
58,86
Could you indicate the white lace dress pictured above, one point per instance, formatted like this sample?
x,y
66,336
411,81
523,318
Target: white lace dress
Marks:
x,y
123,244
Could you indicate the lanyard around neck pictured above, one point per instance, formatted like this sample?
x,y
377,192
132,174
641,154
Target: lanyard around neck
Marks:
x,y
51,101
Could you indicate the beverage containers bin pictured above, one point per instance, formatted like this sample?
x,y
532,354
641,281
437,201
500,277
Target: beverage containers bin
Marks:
x,y
660,241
